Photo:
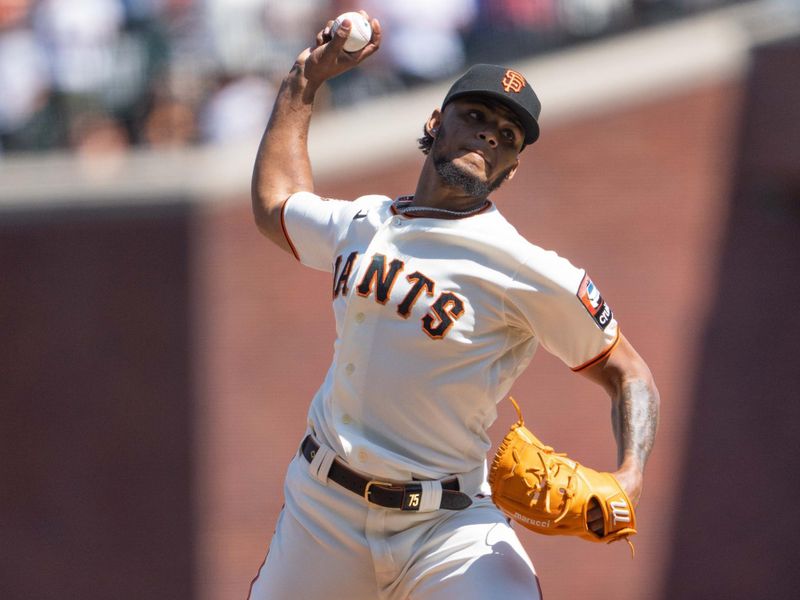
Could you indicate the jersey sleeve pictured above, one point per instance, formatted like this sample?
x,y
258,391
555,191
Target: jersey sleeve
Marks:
x,y
313,226
563,309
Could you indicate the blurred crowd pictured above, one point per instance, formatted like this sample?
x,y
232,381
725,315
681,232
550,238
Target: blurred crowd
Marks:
x,y
108,75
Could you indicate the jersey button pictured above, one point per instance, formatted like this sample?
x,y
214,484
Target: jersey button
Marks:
x,y
398,222
350,368
360,317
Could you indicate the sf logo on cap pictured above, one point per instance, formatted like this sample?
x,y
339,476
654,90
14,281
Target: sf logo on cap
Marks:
x,y
513,81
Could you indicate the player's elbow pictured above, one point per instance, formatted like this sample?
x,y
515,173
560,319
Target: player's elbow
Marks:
x,y
266,212
624,367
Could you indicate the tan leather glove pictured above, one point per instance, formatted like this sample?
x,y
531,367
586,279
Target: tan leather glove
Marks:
x,y
550,493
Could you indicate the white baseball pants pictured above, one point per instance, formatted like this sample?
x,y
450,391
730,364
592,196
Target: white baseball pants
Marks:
x,y
330,543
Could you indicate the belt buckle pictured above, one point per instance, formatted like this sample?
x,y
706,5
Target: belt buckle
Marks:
x,y
370,484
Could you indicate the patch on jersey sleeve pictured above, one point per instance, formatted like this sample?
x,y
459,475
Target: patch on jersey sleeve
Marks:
x,y
591,299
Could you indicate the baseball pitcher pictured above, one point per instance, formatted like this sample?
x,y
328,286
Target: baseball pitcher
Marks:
x,y
440,304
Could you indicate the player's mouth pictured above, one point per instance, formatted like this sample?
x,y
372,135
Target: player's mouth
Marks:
x,y
477,153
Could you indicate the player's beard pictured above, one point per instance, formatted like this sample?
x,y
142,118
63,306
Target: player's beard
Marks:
x,y
453,175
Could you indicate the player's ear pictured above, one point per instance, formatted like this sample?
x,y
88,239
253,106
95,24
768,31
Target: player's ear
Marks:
x,y
433,122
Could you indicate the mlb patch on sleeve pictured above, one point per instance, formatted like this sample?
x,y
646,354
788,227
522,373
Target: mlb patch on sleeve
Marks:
x,y
591,299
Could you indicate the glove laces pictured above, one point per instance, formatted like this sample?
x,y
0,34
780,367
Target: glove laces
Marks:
x,y
545,480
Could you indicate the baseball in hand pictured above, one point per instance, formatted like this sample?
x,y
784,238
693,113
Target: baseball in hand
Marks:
x,y
360,31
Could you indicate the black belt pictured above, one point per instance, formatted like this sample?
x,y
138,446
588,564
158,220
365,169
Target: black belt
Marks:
x,y
403,496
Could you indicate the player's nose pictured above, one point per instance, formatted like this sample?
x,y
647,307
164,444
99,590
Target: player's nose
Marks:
x,y
488,137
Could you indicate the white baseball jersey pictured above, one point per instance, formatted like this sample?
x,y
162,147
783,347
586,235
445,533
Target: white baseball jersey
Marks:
x,y
435,319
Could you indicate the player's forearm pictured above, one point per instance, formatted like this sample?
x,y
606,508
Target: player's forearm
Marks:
x,y
634,411
634,417
282,165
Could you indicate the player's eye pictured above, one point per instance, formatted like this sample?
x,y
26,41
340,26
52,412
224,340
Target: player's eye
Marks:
x,y
475,114
509,134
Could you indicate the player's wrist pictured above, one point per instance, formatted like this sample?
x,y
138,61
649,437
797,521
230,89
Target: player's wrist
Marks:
x,y
299,86
632,464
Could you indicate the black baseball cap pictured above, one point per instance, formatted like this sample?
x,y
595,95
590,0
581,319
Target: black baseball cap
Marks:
x,y
505,85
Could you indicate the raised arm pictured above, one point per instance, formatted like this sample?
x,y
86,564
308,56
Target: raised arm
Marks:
x,y
634,411
282,164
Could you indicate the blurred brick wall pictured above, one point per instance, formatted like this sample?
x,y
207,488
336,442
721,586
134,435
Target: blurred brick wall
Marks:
x,y
96,405
736,532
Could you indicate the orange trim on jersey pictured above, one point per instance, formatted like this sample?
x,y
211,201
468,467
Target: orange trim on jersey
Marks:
x,y
480,212
285,232
600,356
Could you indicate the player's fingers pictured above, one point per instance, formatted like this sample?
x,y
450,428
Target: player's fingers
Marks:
x,y
324,35
594,514
375,41
597,527
338,39
594,518
376,33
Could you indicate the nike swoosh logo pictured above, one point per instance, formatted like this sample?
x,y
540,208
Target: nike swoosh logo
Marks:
x,y
359,215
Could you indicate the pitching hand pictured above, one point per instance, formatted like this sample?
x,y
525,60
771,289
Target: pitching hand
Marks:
x,y
327,58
